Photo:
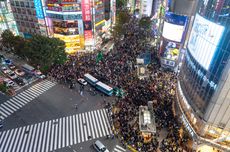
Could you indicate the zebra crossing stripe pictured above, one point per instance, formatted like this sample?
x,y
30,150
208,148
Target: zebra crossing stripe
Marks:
x,y
7,108
91,125
84,126
71,130
12,140
60,132
48,136
10,106
55,134
7,142
101,124
20,139
4,112
98,126
4,140
106,118
74,130
44,137
78,130
13,101
81,127
13,105
94,124
63,133
22,102
17,138
31,94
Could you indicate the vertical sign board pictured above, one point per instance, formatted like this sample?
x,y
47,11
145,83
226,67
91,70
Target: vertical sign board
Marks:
x,y
86,15
39,9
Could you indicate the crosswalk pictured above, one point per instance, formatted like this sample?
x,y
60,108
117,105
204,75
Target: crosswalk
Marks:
x,y
119,149
10,106
57,133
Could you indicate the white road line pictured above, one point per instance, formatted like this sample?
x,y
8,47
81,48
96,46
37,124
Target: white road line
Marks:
x,y
10,106
5,109
9,139
71,130
98,125
88,125
27,95
120,147
78,130
13,101
60,133
36,137
56,134
24,139
74,130
81,127
94,124
34,93
63,131
84,126
17,138
13,105
117,150
100,122
104,122
33,138
30,94
4,112
91,126
29,137
4,140
19,100
67,131
12,140
52,135
106,119
1,138
48,138
45,136
27,99
20,139
41,136
22,100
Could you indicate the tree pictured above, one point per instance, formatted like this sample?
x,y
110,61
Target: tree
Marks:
x,y
44,51
7,39
19,45
145,22
120,4
122,18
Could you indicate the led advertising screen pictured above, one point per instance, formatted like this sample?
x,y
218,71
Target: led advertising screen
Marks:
x,y
173,32
39,9
204,39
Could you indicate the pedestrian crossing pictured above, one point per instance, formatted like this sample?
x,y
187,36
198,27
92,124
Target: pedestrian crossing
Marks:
x,y
57,133
119,149
12,105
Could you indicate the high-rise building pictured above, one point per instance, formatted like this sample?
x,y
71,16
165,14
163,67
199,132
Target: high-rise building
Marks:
x,y
204,78
29,16
6,18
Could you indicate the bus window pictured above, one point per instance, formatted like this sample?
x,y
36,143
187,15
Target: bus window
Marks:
x,y
89,78
104,88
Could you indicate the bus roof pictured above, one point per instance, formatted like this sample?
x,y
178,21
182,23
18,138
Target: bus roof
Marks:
x,y
104,86
90,77
28,67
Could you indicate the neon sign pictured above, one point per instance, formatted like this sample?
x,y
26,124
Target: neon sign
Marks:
x,y
38,8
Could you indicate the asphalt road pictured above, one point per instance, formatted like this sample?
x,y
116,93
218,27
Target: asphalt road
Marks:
x,y
57,106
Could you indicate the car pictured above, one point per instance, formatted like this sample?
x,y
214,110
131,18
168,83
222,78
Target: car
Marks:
x,y
82,81
12,66
8,82
12,75
19,81
5,70
19,72
100,147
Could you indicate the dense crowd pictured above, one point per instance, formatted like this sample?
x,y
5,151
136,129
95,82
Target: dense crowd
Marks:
x,y
117,68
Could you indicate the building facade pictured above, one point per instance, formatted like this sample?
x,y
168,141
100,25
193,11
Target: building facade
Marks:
x,y
7,20
204,83
29,16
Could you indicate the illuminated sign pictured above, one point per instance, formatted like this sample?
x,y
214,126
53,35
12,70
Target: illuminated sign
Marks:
x,y
173,32
86,16
39,9
204,39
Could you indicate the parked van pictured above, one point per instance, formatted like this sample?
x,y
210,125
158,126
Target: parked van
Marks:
x,y
100,147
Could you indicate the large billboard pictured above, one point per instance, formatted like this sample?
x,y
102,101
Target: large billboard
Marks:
x,y
86,16
204,40
39,9
174,27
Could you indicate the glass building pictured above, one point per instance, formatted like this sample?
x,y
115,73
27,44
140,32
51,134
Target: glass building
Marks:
x,y
204,83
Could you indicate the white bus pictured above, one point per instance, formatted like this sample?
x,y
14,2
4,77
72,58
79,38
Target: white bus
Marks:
x,y
89,78
104,88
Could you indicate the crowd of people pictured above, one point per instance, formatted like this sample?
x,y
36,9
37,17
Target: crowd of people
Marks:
x,y
117,68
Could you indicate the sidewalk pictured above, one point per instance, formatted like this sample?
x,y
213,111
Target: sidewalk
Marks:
x,y
15,59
